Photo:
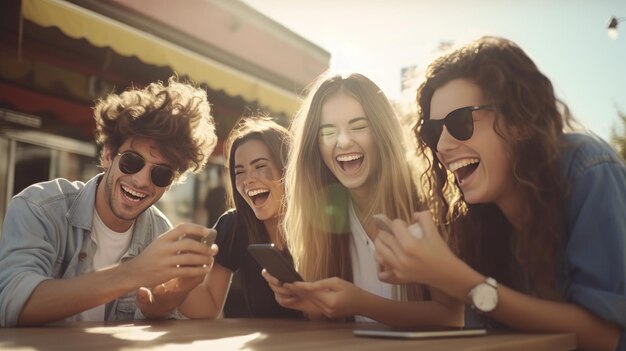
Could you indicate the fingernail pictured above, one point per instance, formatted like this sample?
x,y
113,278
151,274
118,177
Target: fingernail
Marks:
x,y
416,230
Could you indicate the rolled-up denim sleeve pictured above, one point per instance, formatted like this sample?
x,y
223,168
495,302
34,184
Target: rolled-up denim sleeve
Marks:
x,y
595,249
26,258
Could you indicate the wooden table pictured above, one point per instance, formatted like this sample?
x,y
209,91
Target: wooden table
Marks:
x,y
252,334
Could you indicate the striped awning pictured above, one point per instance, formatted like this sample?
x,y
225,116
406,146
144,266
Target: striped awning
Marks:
x,y
101,31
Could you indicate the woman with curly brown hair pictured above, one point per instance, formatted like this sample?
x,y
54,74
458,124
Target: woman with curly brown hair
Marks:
x,y
534,215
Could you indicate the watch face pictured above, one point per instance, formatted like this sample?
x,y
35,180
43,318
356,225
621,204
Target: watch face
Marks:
x,y
484,297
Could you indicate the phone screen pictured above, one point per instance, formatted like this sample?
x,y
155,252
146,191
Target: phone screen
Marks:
x,y
270,258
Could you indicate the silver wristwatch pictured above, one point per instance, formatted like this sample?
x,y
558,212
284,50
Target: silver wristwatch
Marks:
x,y
484,296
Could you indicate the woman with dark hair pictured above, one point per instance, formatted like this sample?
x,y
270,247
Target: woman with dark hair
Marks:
x,y
534,215
256,152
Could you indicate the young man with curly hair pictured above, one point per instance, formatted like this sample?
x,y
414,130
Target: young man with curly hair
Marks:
x,y
100,250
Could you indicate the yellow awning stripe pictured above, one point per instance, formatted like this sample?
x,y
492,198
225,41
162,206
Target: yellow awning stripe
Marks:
x,y
102,31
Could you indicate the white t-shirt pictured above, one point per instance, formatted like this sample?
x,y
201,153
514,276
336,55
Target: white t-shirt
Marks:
x,y
111,246
364,270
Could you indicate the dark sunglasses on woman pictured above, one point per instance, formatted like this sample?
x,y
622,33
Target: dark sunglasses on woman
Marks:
x,y
460,124
132,162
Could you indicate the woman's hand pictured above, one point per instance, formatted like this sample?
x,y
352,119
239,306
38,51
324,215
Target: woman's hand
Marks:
x,y
335,297
288,298
405,257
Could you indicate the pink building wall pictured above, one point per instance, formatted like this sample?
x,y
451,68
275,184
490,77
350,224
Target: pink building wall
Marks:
x,y
234,27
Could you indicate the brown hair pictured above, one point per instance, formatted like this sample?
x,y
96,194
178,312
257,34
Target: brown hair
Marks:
x,y
479,233
176,116
277,139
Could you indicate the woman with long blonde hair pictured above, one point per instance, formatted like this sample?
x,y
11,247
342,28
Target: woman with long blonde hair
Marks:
x,y
348,162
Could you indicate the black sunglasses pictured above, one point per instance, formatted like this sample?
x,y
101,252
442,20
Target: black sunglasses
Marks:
x,y
460,124
132,162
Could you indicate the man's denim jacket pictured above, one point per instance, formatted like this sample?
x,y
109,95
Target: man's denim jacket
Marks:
x,y
47,235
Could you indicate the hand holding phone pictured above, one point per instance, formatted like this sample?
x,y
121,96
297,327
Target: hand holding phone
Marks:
x,y
274,262
206,240
384,223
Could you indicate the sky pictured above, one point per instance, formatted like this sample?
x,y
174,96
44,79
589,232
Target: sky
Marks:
x,y
567,39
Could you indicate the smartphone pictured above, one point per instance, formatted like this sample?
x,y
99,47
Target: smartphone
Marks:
x,y
384,223
207,240
382,331
270,258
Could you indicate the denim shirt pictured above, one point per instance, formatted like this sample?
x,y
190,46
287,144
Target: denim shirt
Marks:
x,y
47,235
594,270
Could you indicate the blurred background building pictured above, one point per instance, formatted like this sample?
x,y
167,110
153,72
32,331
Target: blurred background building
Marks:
x,y
57,57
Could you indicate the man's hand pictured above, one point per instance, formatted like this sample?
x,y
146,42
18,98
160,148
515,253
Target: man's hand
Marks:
x,y
169,257
172,266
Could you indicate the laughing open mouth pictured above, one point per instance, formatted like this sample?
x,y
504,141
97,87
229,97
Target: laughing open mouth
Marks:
x,y
350,162
258,196
462,169
132,194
